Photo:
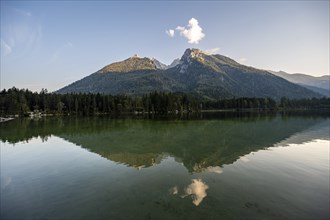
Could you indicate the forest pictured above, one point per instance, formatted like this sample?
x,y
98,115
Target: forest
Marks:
x,y
22,102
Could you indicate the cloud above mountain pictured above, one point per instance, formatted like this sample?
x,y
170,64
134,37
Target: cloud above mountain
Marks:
x,y
170,32
192,32
212,51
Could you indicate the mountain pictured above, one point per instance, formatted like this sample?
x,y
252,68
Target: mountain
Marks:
x,y
163,66
131,64
323,92
196,73
319,84
159,64
174,63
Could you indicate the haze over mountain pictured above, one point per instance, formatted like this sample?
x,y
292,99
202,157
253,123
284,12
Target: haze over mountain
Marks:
x,y
196,73
319,84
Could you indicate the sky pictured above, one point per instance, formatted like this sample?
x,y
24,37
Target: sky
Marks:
x,y
51,44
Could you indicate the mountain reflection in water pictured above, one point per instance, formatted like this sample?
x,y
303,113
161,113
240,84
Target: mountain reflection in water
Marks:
x,y
201,145
263,167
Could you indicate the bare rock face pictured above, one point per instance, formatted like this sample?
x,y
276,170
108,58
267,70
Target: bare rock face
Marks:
x,y
190,54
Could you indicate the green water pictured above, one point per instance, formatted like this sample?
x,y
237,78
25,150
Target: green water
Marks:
x,y
256,167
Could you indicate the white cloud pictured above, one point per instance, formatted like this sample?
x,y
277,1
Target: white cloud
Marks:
x,y
193,32
21,37
242,60
212,51
170,32
5,48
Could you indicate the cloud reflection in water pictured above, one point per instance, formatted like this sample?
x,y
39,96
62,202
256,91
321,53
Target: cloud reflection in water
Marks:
x,y
197,191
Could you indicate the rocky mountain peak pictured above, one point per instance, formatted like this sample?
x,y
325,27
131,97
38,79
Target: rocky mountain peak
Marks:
x,y
191,53
189,56
207,76
135,56
134,63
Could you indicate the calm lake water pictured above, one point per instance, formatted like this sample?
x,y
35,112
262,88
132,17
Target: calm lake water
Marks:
x,y
246,167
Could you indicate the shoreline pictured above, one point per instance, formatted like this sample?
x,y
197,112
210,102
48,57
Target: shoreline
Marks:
x,y
5,119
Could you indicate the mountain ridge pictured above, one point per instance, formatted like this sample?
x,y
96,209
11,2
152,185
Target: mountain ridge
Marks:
x,y
320,84
131,64
197,73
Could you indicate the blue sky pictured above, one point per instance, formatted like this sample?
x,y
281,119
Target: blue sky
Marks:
x,y
53,43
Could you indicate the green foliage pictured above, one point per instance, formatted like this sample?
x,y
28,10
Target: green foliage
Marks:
x,y
22,101
242,103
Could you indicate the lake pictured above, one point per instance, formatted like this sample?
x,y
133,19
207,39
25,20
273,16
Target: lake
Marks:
x,y
238,166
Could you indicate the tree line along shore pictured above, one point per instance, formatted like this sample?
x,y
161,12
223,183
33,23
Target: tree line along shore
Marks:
x,y
23,102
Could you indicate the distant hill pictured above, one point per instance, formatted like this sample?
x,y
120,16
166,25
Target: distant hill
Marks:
x,y
196,73
319,84
324,92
